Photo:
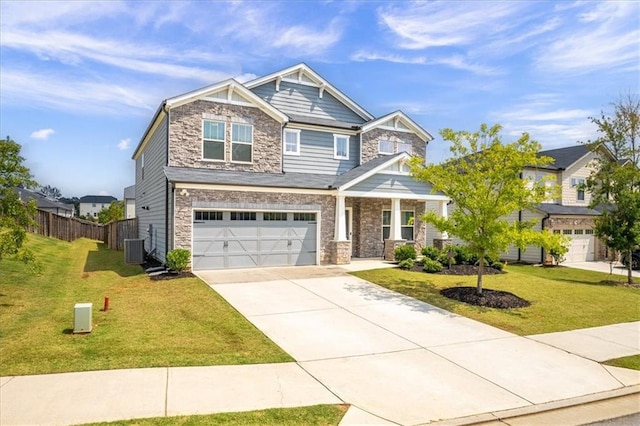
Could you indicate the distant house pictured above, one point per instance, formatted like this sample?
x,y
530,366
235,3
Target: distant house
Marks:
x,y
90,205
130,202
46,203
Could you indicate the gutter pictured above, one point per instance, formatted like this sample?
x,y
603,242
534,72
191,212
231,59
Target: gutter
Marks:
x,y
544,221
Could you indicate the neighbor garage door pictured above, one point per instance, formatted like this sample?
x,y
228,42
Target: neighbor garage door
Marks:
x,y
242,239
582,245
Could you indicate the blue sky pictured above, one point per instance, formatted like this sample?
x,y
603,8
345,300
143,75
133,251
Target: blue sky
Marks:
x,y
80,81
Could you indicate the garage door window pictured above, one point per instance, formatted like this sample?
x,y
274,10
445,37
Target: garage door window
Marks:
x,y
578,231
208,215
566,231
304,217
588,231
243,216
274,216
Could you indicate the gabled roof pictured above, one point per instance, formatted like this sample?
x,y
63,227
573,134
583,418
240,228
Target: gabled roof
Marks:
x,y
360,173
130,192
42,200
559,209
97,199
565,157
396,119
306,75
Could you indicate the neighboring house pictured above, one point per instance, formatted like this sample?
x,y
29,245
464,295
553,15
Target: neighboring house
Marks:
x,y
569,214
90,205
130,202
46,203
282,170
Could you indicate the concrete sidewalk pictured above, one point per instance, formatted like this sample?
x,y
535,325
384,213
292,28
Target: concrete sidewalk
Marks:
x,y
395,359
616,269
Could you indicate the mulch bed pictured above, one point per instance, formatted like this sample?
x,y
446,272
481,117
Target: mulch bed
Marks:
x,y
171,275
460,270
490,298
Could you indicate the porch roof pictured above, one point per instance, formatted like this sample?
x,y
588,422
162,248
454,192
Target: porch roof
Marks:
x,y
557,209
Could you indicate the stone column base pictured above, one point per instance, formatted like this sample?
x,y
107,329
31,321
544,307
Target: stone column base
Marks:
x,y
441,243
390,248
340,252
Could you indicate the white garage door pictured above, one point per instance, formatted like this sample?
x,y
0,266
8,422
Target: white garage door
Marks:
x,y
241,239
582,246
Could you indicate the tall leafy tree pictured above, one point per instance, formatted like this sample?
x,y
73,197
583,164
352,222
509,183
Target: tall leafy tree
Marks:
x,y
614,182
51,191
15,215
484,181
115,211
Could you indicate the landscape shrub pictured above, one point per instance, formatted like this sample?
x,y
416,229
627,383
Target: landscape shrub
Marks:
x,y
178,259
431,266
430,252
407,264
405,252
497,265
463,255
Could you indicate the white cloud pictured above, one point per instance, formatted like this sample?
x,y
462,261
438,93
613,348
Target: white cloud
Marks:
x,y
605,37
42,134
308,40
421,25
363,56
124,144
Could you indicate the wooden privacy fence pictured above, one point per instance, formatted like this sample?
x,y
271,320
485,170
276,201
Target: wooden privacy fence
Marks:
x,y
71,228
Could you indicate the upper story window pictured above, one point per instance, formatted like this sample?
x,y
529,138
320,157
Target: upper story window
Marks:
x,y
213,140
242,143
579,185
292,142
405,147
341,147
385,147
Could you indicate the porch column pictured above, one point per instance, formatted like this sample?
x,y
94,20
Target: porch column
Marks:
x,y
341,220
395,232
442,206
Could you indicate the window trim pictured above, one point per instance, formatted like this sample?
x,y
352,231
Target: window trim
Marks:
x,y
413,215
223,141
241,143
336,137
284,142
380,151
404,143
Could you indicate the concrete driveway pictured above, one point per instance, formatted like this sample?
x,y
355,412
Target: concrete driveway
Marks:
x,y
617,268
402,360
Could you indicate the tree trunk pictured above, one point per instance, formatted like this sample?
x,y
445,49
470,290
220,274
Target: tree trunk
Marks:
x,y
480,271
630,267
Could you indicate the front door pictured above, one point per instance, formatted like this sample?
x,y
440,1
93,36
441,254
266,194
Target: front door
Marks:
x,y
348,216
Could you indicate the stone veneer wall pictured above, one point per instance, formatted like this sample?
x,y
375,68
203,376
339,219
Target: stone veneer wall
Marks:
x,y
370,143
184,220
340,252
367,224
185,136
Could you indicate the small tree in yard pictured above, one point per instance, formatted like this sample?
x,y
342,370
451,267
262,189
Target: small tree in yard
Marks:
x,y
483,179
558,248
115,211
15,215
614,183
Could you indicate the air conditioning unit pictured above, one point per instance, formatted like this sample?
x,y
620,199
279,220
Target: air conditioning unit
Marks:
x,y
134,251
82,317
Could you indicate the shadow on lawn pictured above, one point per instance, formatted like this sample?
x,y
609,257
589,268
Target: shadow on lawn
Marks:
x,y
105,259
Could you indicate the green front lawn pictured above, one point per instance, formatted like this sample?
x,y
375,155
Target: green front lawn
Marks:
x,y
319,415
561,298
632,362
179,322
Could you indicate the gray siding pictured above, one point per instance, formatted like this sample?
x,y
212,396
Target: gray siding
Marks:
x,y
151,192
399,184
295,98
316,155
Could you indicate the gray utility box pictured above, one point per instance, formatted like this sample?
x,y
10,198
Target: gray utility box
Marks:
x,y
134,251
82,317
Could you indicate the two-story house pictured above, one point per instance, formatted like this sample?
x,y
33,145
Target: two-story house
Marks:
x,y
569,214
282,170
129,200
90,205
46,203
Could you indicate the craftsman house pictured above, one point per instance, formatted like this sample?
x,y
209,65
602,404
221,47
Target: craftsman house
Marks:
x,y
569,214
282,170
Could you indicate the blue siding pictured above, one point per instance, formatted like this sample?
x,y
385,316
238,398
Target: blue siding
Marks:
x,y
316,155
399,184
151,191
300,99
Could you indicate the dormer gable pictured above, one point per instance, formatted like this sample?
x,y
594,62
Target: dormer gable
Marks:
x,y
398,121
302,74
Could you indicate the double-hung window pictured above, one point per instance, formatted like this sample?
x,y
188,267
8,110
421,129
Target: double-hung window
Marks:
x,y
241,143
385,147
405,147
579,185
292,142
213,140
406,224
340,147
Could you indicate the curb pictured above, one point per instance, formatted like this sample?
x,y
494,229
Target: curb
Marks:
x,y
539,408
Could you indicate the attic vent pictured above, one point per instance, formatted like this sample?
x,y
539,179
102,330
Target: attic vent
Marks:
x,y
134,251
